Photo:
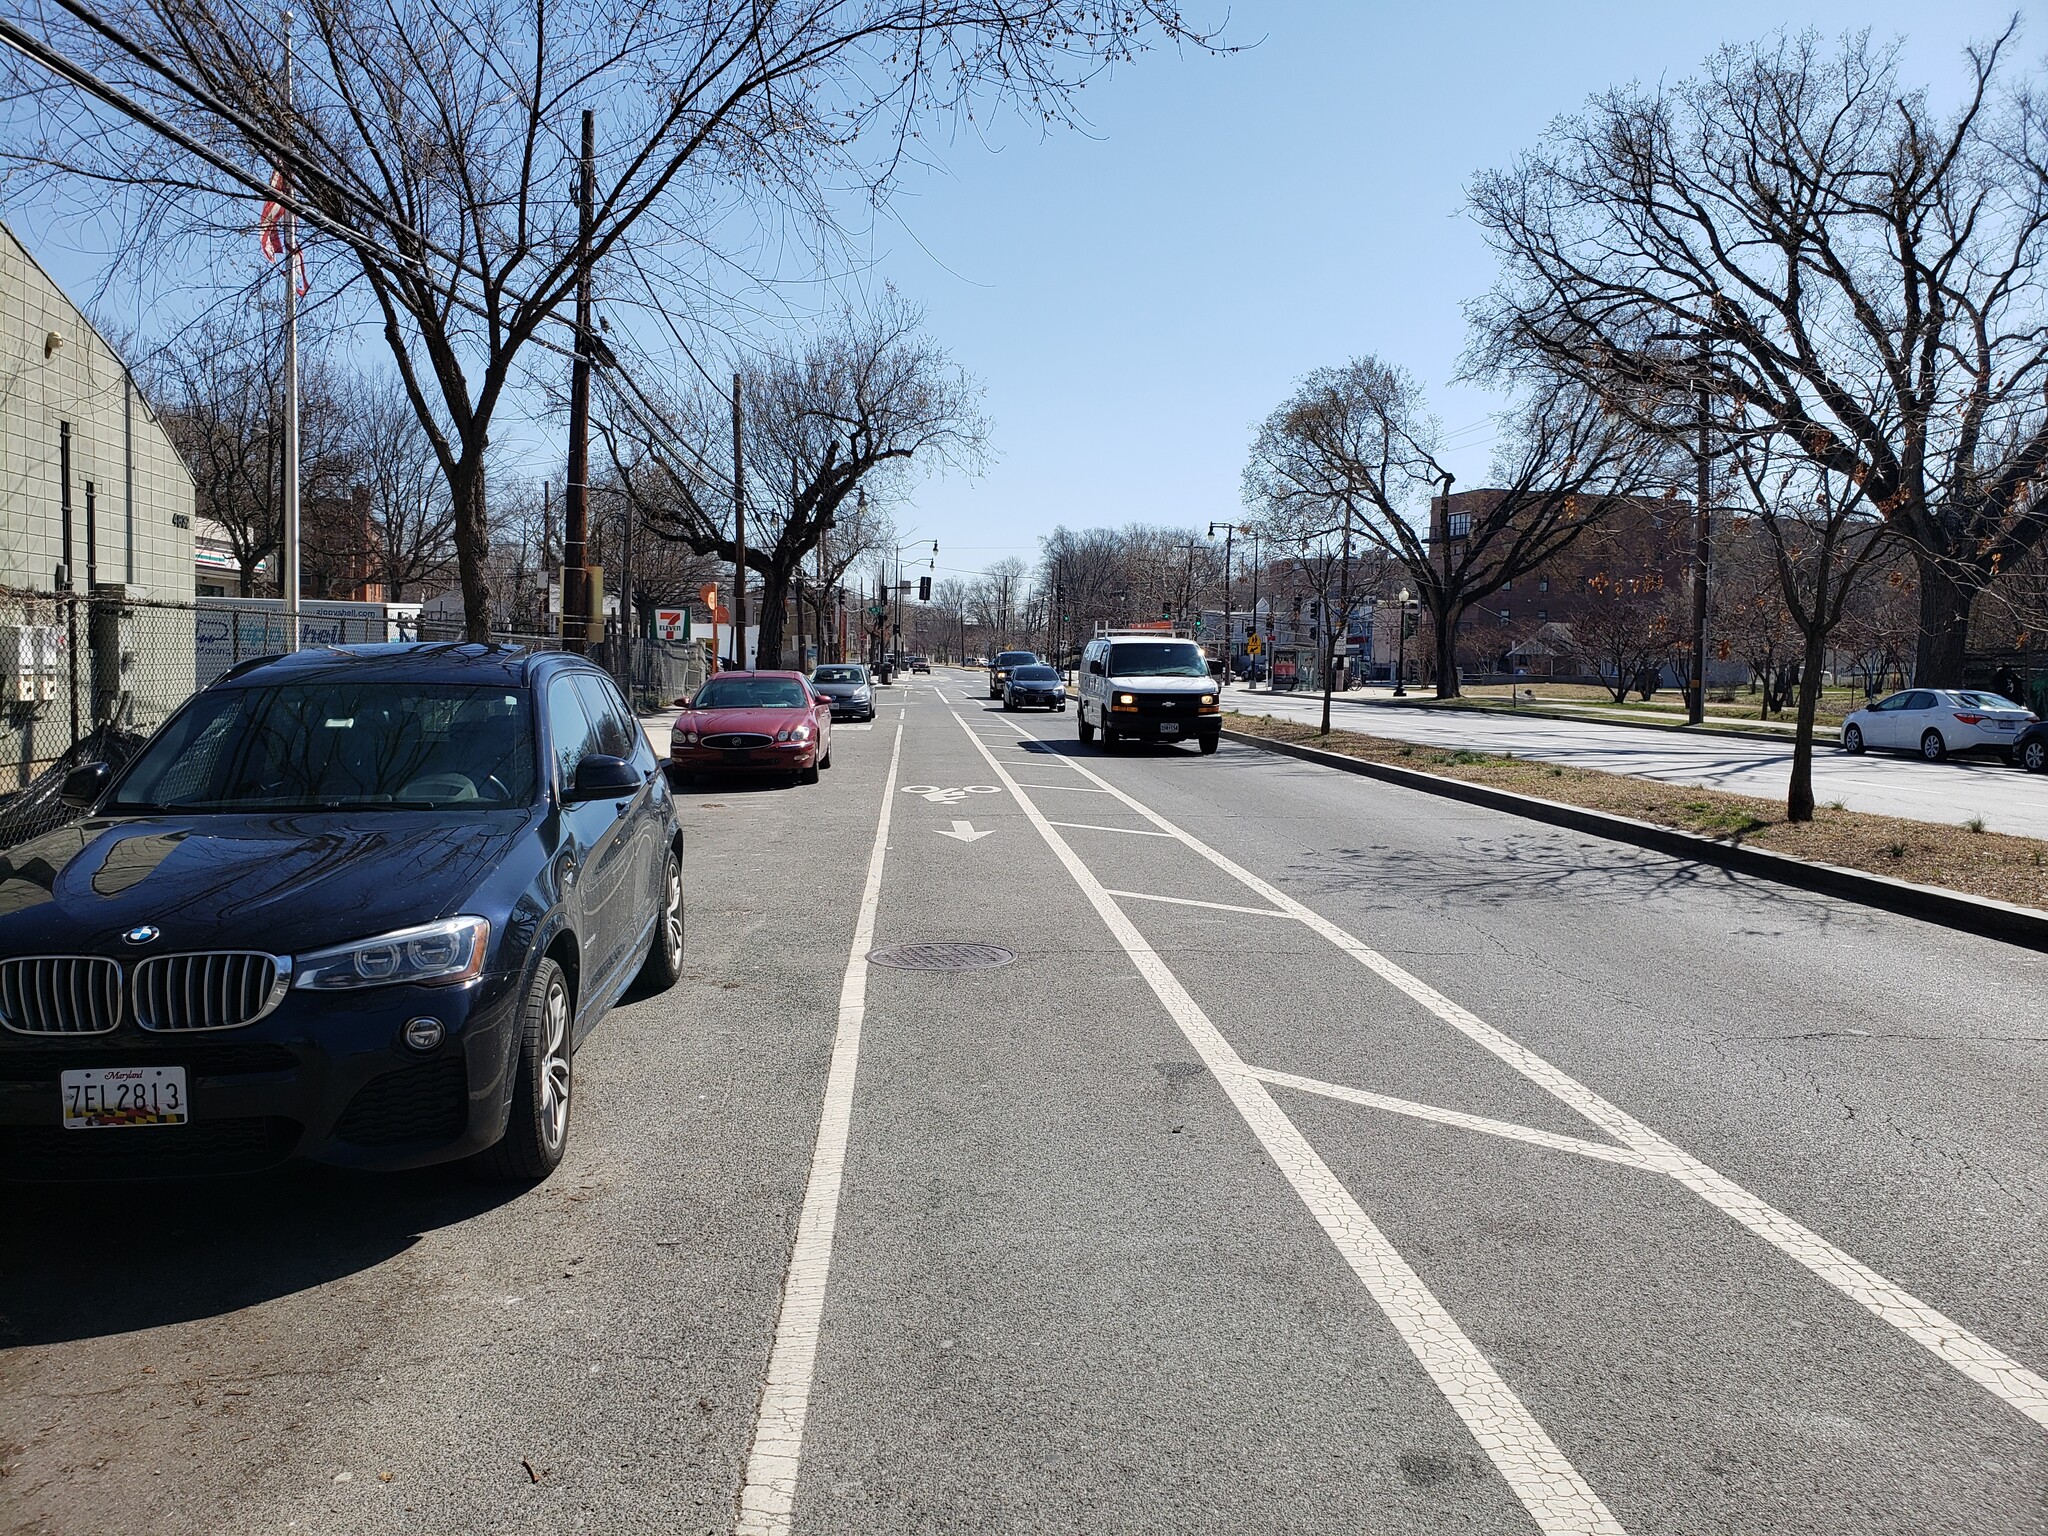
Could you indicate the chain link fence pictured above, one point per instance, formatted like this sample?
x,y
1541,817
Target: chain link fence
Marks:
x,y
88,676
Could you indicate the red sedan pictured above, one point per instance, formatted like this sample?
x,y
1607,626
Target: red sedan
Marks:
x,y
753,722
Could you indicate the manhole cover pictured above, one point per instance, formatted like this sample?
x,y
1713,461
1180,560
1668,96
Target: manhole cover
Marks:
x,y
942,957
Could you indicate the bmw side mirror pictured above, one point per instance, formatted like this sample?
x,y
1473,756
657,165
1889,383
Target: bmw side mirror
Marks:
x,y
83,786
599,777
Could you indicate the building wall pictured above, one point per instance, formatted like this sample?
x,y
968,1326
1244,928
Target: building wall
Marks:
x,y
125,656
142,492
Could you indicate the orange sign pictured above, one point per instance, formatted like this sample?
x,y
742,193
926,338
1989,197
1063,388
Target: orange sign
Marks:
x,y
708,595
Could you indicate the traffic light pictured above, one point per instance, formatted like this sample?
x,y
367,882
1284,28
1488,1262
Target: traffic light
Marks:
x,y
924,589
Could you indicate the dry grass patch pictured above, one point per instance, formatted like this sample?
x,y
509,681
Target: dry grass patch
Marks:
x,y
1960,858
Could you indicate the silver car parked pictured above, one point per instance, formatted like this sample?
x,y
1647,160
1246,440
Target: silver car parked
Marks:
x,y
1937,721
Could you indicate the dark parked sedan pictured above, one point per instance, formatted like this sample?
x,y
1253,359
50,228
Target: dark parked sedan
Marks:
x,y
1034,686
846,686
2030,751
359,905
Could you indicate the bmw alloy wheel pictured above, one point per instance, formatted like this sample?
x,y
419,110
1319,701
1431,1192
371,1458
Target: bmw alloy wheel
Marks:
x,y
554,1066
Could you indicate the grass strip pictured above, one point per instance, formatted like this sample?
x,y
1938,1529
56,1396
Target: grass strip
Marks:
x,y
1964,857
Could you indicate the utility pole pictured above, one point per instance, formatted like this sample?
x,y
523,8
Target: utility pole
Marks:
x,y
739,537
1253,624
1450,641
1229,623
576,492
288,585
1703,549
1339,633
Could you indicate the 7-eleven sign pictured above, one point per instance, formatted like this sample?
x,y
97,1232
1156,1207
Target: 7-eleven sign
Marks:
x,y
672,623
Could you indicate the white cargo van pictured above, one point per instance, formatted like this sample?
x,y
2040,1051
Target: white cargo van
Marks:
x,y
1148,685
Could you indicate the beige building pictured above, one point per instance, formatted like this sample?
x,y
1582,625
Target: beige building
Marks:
x,y
96,507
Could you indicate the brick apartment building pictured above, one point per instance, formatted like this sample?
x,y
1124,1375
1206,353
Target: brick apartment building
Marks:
x,y
1644,541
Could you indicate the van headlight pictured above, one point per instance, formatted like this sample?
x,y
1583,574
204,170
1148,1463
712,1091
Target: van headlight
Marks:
x,y
1127,698
434,954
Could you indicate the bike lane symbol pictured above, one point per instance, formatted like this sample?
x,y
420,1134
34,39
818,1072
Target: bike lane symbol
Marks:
x,y
939,795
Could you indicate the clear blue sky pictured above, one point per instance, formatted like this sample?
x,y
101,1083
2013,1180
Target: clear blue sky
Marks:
x,y
1137,295
1136,300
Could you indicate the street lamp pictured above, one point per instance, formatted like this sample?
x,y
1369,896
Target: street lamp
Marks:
x,y
1401,666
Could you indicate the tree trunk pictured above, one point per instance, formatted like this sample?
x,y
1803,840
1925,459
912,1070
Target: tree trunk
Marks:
x,y
774,598
1799,793
1944,625
1446,624
472,544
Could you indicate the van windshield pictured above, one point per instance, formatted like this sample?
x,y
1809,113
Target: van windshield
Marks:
x,y
1157,658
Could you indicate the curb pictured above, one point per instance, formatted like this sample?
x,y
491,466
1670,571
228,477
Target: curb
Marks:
x,y
2003,920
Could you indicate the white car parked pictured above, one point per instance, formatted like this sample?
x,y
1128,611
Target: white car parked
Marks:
x,y
1935,722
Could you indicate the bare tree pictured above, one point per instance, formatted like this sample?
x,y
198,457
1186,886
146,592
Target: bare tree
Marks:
x,y
1807,241
853,405
1357,443
434,145
1623,629
219,392
411,522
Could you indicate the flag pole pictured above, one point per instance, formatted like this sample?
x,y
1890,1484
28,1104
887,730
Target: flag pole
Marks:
x,y
289,583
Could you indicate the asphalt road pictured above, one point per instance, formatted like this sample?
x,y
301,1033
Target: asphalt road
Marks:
x,y
1883,783
1329,1157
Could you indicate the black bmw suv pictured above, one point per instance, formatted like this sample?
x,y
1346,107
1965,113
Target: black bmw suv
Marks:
x,y
359,905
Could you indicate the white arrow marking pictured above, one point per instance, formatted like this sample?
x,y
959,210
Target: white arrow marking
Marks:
x,y
964,830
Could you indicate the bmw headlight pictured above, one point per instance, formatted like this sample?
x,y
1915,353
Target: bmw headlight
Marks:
x,y
435,954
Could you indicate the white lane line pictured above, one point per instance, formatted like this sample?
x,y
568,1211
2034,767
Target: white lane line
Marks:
x,y
1071,789
1558,1499
1976,1358
1600,1150
1084,826
1189,901
769,1492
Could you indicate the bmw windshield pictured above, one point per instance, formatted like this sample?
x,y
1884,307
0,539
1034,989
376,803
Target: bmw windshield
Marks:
x,y
322,745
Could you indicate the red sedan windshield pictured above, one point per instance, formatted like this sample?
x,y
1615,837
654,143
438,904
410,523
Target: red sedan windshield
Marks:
x,y
753,693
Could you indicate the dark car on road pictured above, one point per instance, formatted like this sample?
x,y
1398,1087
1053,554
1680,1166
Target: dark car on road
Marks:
x,y
753,723
847,687
1034,686
1001,665
2030,750
356,904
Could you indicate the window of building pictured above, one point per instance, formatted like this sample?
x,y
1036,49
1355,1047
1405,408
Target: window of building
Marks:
x,y
1507,586
1503,617
1459,524
1542,615
1543,585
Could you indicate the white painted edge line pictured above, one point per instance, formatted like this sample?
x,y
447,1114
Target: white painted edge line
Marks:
x,y
1189,901
1072,789
1602,1151
1558,1499
768,1493
1982,1362
1085,826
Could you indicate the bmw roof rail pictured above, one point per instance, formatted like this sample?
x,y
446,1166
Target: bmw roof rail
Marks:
x,y
241,668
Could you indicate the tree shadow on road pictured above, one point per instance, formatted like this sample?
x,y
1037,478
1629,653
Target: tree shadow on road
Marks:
x,y
88,1260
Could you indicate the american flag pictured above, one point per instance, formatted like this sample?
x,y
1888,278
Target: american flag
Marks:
x,y
270,231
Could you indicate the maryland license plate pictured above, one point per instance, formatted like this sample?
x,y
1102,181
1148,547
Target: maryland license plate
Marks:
x,y
100,1098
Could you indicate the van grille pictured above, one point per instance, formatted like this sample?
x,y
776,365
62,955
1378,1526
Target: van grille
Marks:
x,y
60,995
220,990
